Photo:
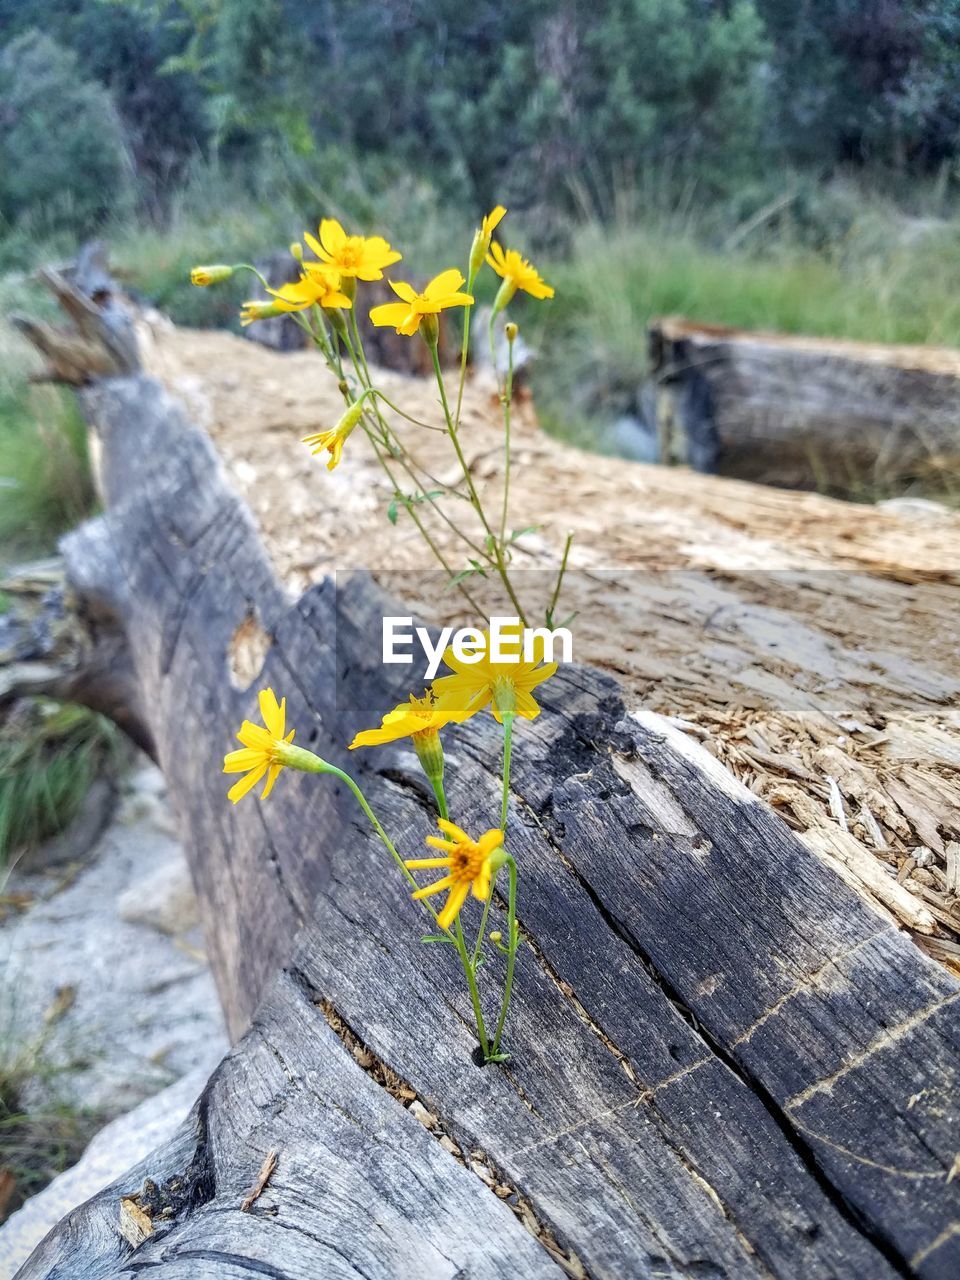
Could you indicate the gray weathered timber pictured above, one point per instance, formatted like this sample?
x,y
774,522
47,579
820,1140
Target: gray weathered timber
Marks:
x,y
724,1063
801,411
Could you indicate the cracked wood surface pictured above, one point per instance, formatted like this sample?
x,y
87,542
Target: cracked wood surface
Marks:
x,y
812,645
725,1063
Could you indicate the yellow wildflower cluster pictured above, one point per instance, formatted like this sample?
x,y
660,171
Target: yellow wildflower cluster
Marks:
x,y
324,300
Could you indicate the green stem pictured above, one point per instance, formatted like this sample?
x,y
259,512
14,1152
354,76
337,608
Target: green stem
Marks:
x,y
457,934
469,970
438,791
507,744
464,351
559,583
360,365
507,398
471,489
511,954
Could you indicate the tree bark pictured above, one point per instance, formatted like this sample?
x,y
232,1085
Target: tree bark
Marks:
x,y
812,413
725,1062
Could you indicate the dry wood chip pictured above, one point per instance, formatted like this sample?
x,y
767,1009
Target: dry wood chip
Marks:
x,y
263,1177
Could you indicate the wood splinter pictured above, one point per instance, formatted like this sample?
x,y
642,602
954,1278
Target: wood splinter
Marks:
x,y
263,1177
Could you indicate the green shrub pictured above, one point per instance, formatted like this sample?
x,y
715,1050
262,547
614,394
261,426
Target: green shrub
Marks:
x,y
62,149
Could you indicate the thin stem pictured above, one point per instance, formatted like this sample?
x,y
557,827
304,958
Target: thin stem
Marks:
x,y
438,791
511,954
507,744
507,397
456,936
360,365
464,351
559,583
470,970
471,488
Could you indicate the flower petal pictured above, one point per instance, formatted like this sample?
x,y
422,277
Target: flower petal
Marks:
x,y
453,831
273,713
393,314
431,889
240,789
332,236
451,910
447,282
403,290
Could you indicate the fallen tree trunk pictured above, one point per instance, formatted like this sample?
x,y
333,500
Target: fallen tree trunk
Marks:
x,y
725,1062
849,417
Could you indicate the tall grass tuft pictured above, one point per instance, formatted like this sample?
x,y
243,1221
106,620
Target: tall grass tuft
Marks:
x,y
50,754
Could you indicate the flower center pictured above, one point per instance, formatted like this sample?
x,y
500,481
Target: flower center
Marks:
x,y
350,252
466,862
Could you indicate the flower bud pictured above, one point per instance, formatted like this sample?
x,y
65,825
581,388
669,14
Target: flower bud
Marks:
x,y
203,276
350,418
504,296
496,937
337,320
429,751
430,330
505,697
510,331
297,250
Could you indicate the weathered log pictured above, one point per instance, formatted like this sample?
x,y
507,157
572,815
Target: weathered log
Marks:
x,y
57,644
725,1062
843,416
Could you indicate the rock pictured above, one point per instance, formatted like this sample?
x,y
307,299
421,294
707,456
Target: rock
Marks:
x,y
118,1146
163,899
144,1009
916,508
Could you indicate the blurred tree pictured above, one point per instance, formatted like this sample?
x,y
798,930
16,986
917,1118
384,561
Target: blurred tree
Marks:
x,y
63,155
866,80
121,44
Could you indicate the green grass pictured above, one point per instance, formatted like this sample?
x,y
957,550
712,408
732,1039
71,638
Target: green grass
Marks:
x,y
877,283
50,753
37,1142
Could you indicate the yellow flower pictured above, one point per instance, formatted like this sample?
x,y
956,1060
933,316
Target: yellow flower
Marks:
x,y
469,865
418,718
203,276
334,440
506,687
258,310
481,240
440,293
492,221
362,257
517,273
261,748
319,286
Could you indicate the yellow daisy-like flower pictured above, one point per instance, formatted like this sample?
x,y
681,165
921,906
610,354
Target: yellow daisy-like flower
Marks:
x,y
260,748
469,866
517,273
491,221
316,286
259,310
334,439
361,257
443,291
417,718
505,687
481,240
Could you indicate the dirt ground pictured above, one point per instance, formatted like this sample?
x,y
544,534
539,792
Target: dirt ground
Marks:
x,y
812,645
